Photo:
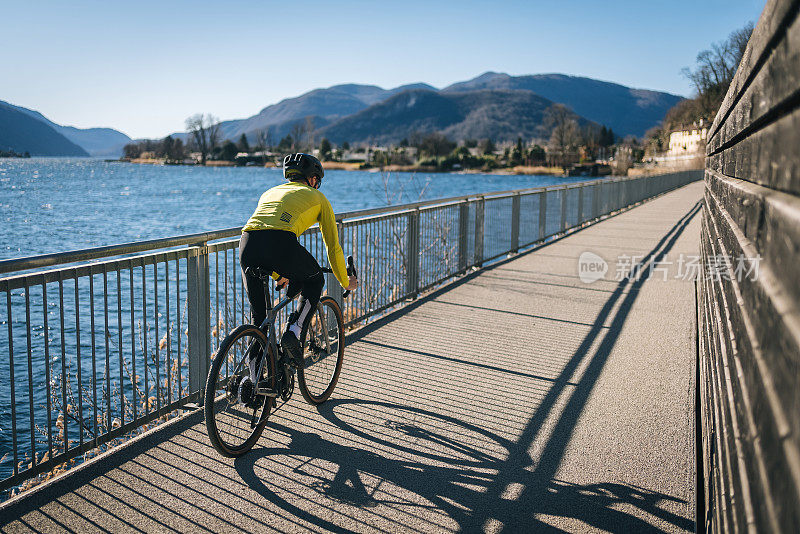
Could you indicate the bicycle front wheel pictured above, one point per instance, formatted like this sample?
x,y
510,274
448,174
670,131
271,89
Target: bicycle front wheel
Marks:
x,y
323,353
235,416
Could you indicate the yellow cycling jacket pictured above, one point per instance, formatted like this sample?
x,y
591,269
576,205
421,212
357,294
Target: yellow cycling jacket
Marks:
x,y
294,206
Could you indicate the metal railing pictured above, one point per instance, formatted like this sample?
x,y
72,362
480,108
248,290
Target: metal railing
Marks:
x,y
99,351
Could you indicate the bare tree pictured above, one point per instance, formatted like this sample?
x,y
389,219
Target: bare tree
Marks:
x,y
436,144
302,135
264,138
590,136
716,68
214,134
204,133
565,133
309,134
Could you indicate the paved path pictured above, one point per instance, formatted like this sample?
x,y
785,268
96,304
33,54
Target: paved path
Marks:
x,y
519,399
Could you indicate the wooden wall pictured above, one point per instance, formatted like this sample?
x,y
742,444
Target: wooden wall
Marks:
x,y
749,338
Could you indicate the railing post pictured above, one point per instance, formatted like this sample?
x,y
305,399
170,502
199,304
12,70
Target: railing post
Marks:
x,y
515,204
335,290
596,200
623,194
463,230
564,209
603,199
542,214
580,204
198,308
412,254
478,258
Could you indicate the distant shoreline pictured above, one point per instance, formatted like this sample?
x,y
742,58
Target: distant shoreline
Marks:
x,y
345,166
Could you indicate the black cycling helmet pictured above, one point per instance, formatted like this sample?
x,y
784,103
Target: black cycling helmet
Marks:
x,y
302,166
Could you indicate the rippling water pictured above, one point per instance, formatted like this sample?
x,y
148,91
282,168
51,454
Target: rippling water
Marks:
x,y
53,205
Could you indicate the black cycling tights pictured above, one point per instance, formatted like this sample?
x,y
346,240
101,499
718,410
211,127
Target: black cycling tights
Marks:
x,y
279,251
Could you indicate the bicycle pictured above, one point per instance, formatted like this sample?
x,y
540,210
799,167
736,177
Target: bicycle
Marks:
x,y
236,417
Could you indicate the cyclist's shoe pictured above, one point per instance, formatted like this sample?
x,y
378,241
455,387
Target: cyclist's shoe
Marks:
x,y
291,346
254,361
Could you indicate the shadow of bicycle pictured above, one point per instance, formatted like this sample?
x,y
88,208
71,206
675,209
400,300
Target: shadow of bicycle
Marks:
x,y
426,466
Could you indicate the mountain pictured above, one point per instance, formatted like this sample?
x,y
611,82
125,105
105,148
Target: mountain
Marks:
x,y
324,104
627,111
499,115
351,108
21,132
98,142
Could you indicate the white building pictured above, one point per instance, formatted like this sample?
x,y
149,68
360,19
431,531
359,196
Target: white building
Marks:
x,y
684,142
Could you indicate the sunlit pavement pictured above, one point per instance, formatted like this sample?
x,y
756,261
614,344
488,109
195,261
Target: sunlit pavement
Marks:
x,y
520,399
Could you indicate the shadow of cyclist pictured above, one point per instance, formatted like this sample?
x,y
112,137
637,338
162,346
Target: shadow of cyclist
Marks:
x,y
428,470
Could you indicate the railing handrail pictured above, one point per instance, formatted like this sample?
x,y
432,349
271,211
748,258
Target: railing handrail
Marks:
x,y
449,200
87,254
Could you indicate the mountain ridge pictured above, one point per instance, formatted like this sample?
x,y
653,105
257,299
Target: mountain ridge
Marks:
x,y
627,110
96,142
336,109
495,114
327,103
22,132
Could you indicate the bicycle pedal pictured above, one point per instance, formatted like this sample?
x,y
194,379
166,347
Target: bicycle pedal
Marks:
x,y
265,389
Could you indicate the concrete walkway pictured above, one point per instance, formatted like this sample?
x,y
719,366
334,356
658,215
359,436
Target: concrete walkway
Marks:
x,y
521,399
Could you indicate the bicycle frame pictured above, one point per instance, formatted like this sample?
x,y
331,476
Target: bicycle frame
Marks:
x,y
268,327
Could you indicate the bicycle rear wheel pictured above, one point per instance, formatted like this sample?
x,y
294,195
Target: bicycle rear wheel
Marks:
x,y
323,353
234,424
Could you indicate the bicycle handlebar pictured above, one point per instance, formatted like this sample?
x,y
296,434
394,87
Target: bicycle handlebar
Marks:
x,y
351,271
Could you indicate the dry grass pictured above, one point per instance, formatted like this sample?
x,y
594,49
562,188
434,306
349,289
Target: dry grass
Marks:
x,y
524,169
148,161
341,166
220,163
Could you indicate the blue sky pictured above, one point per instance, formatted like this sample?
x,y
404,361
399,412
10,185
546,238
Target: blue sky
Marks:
x,y
143,67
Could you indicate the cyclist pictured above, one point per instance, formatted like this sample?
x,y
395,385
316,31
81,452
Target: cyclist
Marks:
x,y
269,240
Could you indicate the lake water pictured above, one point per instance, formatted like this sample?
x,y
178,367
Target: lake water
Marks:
x,y
54,205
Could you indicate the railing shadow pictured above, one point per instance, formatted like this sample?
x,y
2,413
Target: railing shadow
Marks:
x,y
460,488
456,487
535,483
86,473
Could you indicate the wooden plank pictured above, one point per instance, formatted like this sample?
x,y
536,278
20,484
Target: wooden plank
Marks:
x,y
754,504
774,16
733,394
777,356
751,338
757,423
770,220
770,157
776,83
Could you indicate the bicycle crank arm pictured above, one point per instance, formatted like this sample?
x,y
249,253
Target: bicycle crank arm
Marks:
x,y
268,391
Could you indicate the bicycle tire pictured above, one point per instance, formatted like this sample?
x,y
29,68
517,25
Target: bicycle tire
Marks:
x,y
235,418
318,375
